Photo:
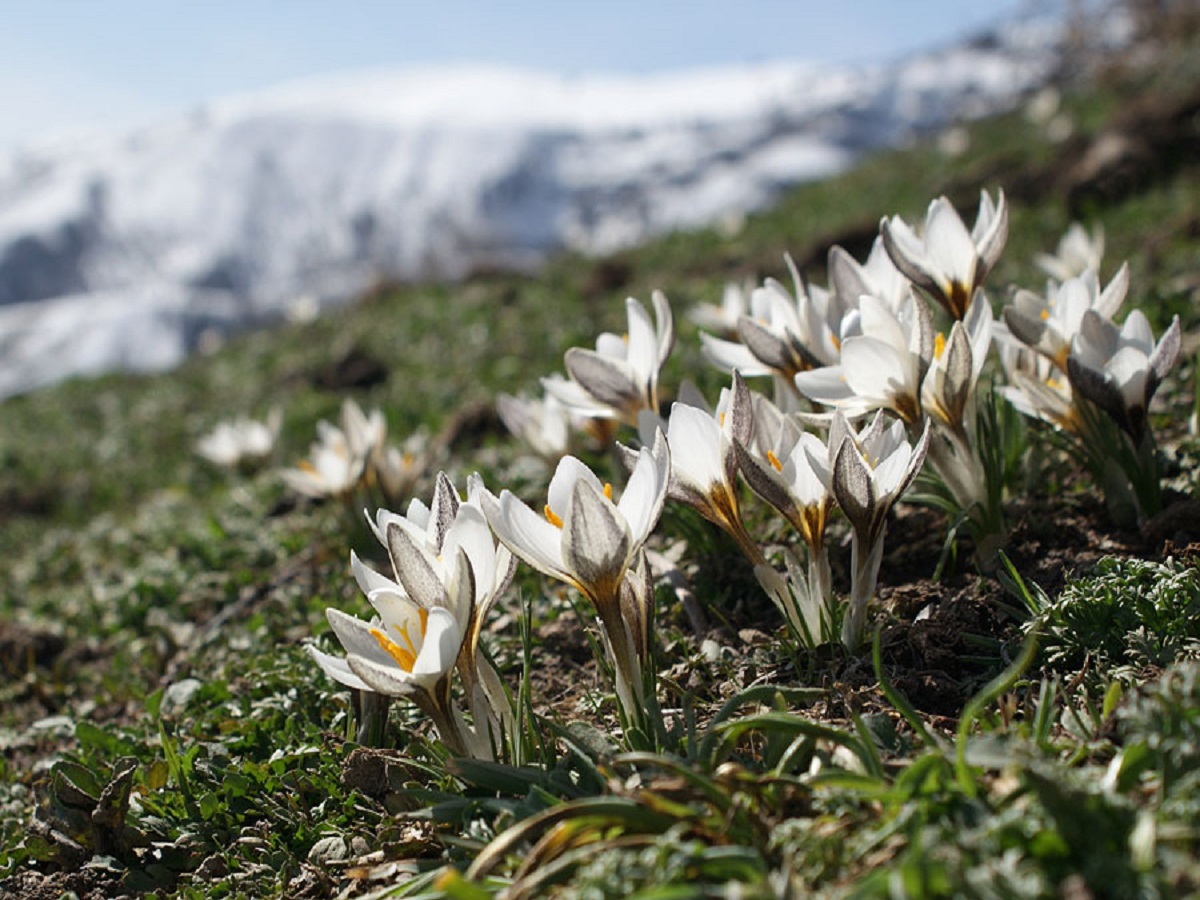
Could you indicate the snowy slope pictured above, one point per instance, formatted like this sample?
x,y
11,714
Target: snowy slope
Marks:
x,y
121,252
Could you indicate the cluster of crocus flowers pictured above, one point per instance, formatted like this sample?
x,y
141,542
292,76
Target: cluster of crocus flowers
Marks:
x,y
353,456
869,392
242,442
447,571
1069,364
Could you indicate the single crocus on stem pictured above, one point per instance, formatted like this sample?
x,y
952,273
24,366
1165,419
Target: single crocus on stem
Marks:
x,y
704,463
870,472
587,539
790,481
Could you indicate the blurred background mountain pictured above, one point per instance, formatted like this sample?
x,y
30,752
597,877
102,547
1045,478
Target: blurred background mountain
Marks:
x,y
130,249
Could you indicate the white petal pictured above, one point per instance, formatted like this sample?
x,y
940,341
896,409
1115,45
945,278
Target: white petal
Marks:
x,y
731,355
439,650
569,470
336,668
695,440
383,679
527,534
643,341
642,500
948,244
355,635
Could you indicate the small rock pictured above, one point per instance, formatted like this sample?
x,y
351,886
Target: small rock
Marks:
x,y
329,850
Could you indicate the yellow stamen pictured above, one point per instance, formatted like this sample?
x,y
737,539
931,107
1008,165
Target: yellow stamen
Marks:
x,y
405,657
939,345
774,461
1045,314
608,490
305,466
837,345
721,420
552,517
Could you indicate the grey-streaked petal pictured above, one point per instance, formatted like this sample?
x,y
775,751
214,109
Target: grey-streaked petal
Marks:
x,y
915,461
443,509
413,570
1028,329
766,484
336,668
610,381
959,369
596,541
846,276
390,680
905,251
767,347
1096,386
355,636
853,489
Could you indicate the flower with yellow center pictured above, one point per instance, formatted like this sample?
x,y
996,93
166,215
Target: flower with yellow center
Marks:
x,y
871,469
446,572
406,651
619,378
948,262
881,367
586,539
1048,324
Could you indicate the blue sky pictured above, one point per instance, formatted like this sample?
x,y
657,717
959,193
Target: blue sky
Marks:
x,y
84,64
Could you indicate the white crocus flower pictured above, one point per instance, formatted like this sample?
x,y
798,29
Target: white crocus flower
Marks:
x,y
542,425
704,463
1048,324
620,377
591,541
445,561
423,545
871,469
397,469
723,317
340,458
878,277
243,441
881,368
1120,369
407,650
1077,252
947,261
949,384
781,334
331,469
1036,387
784,476
365,432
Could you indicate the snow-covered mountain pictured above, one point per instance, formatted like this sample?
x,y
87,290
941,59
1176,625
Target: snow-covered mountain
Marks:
x,y
122,251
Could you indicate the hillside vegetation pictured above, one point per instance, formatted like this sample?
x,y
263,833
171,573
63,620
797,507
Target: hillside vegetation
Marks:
x,y
1032,730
